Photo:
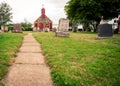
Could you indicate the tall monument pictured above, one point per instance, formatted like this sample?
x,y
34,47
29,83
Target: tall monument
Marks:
x,y
42,23
118,21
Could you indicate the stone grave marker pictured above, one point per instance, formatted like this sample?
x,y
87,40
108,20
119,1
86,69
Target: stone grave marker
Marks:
x,y
63,28
17,28
105,30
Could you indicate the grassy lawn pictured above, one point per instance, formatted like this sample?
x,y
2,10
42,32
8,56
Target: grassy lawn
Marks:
x,y
80,60
9,44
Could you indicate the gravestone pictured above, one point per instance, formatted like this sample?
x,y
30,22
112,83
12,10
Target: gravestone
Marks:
x,y
118,21
17,28
74,29
105,30
63,25
63,28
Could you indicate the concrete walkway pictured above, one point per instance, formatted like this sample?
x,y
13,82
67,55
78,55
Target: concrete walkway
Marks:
x,y
29,68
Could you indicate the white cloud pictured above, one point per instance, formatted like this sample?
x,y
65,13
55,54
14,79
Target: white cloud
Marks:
x,y
31,9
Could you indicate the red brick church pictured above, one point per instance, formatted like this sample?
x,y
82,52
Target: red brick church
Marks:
x,y
43,22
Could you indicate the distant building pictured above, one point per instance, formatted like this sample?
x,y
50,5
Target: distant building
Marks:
x,y
42,23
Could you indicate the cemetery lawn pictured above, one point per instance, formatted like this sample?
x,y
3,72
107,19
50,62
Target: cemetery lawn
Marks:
x,y
9,45
81,60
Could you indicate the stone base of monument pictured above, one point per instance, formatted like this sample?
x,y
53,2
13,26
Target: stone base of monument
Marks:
x,y
103,37
62,34
17,31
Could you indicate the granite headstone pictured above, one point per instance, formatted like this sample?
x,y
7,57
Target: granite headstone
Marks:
x,y
105,30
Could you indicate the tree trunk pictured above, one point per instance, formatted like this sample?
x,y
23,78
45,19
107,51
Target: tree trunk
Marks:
x,y
85,26
4,28
96,26
0,27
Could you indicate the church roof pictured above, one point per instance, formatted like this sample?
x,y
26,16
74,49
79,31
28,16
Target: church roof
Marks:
x,y
43,18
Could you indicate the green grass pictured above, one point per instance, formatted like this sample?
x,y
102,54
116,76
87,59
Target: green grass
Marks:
x,y
81,60
9,44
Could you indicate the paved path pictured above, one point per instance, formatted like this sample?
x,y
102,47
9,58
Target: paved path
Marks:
x,y
29,68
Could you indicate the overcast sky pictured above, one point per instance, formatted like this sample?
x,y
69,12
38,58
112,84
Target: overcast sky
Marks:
x,y
31,9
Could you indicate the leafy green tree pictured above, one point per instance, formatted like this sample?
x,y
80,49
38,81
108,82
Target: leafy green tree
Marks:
x,y
26,26
5,14
91,10
10,27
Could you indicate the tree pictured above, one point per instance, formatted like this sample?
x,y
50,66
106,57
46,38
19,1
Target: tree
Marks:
x,y
91,10
26,26
10,27
5,14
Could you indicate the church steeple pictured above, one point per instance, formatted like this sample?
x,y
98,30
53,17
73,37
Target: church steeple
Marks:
x,y
43,12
